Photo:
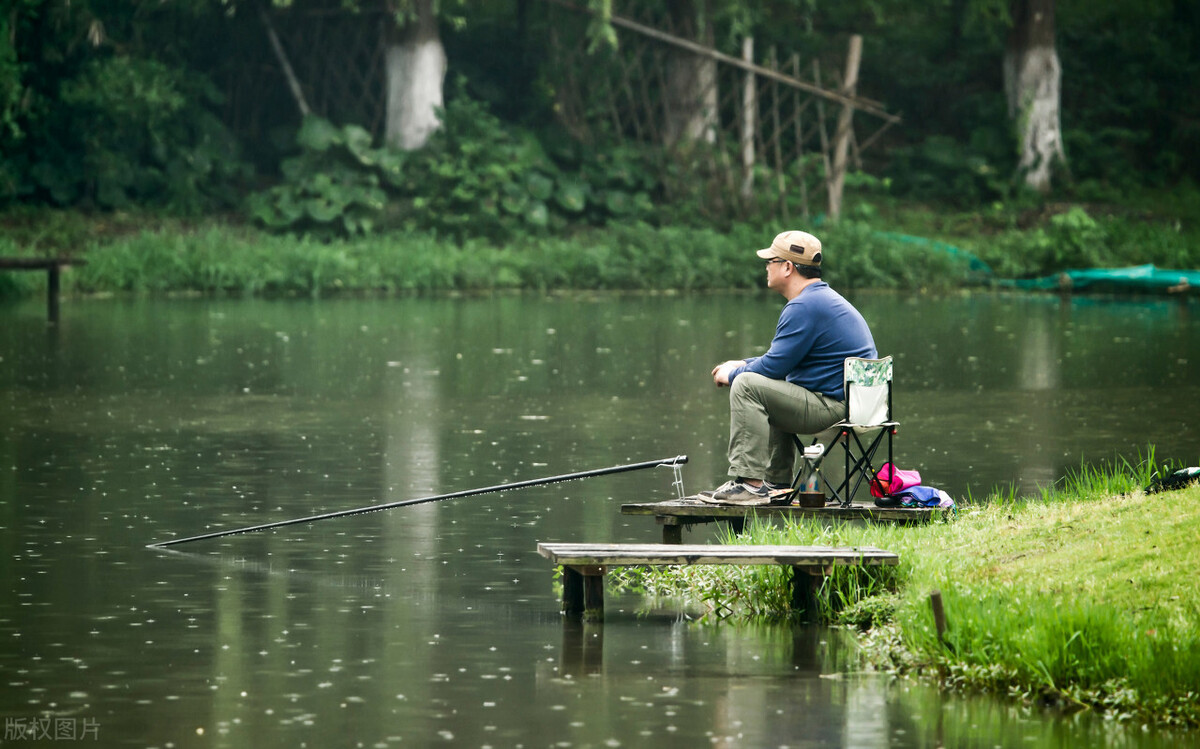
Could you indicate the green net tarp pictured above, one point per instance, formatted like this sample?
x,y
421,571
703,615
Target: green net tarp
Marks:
x,y
1146,278
974,264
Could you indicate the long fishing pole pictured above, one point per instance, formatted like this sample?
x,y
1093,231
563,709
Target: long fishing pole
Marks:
x,y
676,461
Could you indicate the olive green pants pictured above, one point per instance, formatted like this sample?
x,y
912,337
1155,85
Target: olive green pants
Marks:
x,y
763,416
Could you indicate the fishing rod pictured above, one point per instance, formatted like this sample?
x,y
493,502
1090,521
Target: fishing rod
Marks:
x,y
678,460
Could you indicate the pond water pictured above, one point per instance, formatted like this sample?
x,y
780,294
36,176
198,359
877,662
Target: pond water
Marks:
x,y
138,421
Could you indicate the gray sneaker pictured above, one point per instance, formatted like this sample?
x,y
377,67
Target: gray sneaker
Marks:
x,y
738,493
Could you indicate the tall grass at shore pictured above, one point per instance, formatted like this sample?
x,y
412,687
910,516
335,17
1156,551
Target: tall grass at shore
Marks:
x,y
1082,595
897,245
216,258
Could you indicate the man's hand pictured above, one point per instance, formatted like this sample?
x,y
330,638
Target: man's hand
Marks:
x,y
721,372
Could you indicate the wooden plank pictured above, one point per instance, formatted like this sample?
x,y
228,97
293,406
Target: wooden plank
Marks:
x,y
37,263
575,554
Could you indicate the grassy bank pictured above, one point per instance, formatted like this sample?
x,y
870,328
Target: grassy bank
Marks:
x,y
1084,596
884,245
217,258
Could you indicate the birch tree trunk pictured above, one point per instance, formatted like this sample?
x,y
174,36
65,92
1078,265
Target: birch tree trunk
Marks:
x,y
749,121
691,85
416,70
1032,84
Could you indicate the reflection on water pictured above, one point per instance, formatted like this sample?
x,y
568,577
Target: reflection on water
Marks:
x,y
133,422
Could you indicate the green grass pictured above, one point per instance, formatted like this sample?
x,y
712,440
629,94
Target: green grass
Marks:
x,y
1083,596
882,244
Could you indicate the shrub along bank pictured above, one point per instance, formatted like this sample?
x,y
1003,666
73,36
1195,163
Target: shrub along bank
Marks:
x,y
220,258
1083,596
882,245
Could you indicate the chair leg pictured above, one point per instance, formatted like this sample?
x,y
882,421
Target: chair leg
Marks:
x,y
860,466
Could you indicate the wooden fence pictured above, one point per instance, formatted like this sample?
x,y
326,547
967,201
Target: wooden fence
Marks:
x,y
764,131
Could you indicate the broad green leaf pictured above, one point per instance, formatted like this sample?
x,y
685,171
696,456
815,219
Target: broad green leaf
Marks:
x,y
537,214
322,210
540,186
571,196
514,201
618,202
358,142
318,134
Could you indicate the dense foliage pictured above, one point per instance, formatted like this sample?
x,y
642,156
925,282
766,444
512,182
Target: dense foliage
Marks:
x,y
475,178
109,105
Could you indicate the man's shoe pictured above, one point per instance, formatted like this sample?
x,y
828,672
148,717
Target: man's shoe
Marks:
x,y
738,493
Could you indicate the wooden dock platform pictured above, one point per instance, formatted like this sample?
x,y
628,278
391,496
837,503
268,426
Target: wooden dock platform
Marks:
x,y
674,514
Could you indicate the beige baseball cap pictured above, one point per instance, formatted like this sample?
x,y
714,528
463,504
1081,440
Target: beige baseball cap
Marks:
x,y
797,247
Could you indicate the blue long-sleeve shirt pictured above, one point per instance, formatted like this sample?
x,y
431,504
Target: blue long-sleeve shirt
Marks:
x,y
817,331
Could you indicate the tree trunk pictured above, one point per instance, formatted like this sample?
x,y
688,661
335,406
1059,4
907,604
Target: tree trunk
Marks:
x,y
749,114
691,95
416,69
1032,83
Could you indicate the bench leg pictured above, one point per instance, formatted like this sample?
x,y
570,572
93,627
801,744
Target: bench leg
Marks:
x,y
572,604
583,593
52,288
672,534
806,582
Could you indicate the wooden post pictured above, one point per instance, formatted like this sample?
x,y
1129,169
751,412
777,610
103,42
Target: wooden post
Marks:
x,y
821,127
796,111
572,604
52,289
285,65
593,595
841,137
583,592
749,119
777,132
672,533
804,593
939,614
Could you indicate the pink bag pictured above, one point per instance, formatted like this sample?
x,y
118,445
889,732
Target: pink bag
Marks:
x,y
894,480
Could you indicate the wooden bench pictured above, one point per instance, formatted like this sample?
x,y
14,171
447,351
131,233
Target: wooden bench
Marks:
x,y
584,566
53,267
674,514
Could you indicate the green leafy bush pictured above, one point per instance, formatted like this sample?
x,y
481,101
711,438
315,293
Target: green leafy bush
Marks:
x,y
331,186
136,131
943,168
474,178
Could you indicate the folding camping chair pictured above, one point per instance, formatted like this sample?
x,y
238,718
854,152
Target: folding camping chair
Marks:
x,y
867,424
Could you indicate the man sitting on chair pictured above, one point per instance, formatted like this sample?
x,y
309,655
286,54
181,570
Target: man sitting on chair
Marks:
x,y
796,387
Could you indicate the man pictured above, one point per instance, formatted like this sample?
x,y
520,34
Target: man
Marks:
x,y
796,387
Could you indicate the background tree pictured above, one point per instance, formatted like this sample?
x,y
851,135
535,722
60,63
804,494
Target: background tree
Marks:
x,y
691,87
1033,88
416,71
